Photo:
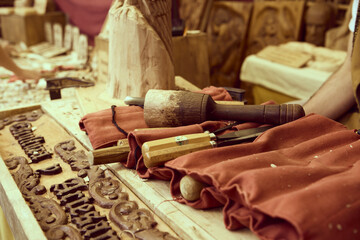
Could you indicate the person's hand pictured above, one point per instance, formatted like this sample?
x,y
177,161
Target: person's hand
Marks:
x,y
25,74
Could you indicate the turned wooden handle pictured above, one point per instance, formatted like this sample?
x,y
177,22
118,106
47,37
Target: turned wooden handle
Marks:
x,y
158,152
269,114
110,155
190,188
179,108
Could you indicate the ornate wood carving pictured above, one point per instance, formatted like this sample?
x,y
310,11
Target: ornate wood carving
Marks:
x,y
52,170
63,232
78,160
227,31
273,23
140,47
24,177
47,212
83,214
105,190
29,116
72,197
31,144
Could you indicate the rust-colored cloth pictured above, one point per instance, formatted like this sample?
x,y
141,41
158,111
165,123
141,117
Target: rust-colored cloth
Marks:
x,y
101,130
217,93
103,133
300,180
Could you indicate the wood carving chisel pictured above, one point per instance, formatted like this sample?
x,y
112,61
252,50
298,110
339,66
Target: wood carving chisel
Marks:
x,y
159,151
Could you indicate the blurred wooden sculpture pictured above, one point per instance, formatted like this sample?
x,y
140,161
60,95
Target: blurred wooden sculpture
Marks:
x,y
195,13
226,31
273,23
338,38
140,47
318,18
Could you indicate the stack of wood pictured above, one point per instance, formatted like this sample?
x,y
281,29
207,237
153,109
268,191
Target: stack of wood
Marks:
x,y
25,22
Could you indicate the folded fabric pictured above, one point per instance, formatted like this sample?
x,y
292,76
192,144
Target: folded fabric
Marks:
x,y
297,181
217,93
102,132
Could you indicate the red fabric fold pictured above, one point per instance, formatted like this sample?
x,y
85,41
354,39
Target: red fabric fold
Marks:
x,y
101,130
296,181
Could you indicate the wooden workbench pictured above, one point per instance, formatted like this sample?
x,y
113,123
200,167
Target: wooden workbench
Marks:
x,y
183,221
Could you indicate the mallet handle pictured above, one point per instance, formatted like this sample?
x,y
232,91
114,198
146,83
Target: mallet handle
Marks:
x,y
270,114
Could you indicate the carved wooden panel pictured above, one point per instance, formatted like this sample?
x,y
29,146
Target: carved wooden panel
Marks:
x,y
227,28
274,22
69,198
195,13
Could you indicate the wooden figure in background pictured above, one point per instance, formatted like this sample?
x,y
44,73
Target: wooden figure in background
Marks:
x,y
319,18
68,37
194,13
338,38
226,31
75,38
140,47
273,23
58,35
49,37
83,48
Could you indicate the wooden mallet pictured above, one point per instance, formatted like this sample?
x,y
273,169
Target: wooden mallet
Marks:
x,y
169,108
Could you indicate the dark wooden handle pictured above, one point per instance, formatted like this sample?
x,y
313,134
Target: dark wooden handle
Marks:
x,y
270,114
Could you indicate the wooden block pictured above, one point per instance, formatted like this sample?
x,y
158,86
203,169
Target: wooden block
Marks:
x,y
227,30
287,57
43,6
75,40
191,59
140,48
102,53
28,29
83,48
58,35
68,37
49,37
25,11
6,10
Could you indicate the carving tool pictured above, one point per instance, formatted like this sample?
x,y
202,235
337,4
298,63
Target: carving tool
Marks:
x,y
168,108
54,85
159,151
111,154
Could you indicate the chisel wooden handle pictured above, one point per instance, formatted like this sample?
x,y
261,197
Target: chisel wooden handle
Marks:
x,y
158,152
110,154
